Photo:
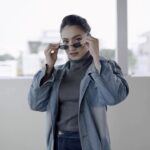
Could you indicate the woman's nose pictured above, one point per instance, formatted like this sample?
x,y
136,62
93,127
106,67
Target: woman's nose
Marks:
x,y
70,46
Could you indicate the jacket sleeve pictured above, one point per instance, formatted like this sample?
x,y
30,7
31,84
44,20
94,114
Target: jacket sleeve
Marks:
x,y
38,96
110,83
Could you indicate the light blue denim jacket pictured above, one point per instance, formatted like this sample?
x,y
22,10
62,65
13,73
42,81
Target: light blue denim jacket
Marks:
x,y
97,90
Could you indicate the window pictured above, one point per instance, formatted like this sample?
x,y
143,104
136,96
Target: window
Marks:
x,y
139,37
28,26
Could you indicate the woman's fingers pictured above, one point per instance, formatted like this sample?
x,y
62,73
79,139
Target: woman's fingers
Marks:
x,y
52,48
51,53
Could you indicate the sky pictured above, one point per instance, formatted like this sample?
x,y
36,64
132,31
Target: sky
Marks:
x,y
24,20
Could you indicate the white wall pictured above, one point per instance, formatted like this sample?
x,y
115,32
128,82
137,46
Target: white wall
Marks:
x,y
23,129
20,128
130,120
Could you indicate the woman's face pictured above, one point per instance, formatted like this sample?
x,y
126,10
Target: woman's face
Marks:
x,y
73,34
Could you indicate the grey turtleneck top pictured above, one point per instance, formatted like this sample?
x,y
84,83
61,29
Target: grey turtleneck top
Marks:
x,y
69,93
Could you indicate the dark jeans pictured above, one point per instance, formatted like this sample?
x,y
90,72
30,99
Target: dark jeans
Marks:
x,y
67,141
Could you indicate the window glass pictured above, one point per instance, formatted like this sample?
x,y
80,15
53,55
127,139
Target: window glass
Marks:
x,y
139,37
27,26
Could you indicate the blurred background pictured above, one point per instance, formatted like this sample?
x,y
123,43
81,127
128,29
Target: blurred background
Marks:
x,y
26,28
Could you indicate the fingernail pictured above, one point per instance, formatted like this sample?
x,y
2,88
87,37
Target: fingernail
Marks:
x,y
52,51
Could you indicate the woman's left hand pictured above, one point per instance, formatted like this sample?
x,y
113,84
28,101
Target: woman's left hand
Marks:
x,y
93,46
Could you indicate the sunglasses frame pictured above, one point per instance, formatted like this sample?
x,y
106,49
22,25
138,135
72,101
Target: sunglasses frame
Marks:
x,y
66,47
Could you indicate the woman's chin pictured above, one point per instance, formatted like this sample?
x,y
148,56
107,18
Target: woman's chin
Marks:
x,y
74,58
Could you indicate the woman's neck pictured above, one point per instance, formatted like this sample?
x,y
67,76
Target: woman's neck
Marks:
x,y
76,64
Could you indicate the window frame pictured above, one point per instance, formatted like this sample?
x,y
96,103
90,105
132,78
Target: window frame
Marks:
x,y
122,37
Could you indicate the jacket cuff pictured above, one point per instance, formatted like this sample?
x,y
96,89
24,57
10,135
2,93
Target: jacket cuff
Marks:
x,y
51,75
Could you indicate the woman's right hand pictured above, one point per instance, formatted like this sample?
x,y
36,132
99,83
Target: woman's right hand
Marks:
x,y
51,54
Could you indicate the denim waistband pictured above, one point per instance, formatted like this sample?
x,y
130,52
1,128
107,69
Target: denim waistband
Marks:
x,y
69,134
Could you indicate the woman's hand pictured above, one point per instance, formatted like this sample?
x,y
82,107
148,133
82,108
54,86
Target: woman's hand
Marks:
x,y
93,46
51,54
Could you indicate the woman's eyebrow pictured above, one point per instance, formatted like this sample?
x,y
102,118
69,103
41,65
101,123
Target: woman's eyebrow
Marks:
x,y
72,37
76,36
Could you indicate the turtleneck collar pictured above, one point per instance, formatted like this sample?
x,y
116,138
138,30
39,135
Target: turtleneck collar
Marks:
x,y
83,62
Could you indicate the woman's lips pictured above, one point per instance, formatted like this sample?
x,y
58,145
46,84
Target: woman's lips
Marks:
x,y
74,54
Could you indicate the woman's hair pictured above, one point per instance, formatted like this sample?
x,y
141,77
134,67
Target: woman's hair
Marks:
x,y
71,20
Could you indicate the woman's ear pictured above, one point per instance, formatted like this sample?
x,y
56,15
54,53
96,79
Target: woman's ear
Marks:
x,y
86,45
88,34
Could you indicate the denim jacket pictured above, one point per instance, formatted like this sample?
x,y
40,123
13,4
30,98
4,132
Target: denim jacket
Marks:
x,y
97,90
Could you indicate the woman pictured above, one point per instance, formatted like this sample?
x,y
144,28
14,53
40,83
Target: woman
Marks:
x,y
76,94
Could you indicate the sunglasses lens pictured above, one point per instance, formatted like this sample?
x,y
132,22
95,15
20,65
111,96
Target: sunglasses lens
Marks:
x,y
64,47
77,45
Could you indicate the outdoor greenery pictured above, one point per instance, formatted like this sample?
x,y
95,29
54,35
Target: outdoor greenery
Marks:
x,y
110,54
5,57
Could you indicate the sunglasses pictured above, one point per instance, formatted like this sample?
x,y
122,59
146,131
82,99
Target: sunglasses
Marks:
x,y
75,45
